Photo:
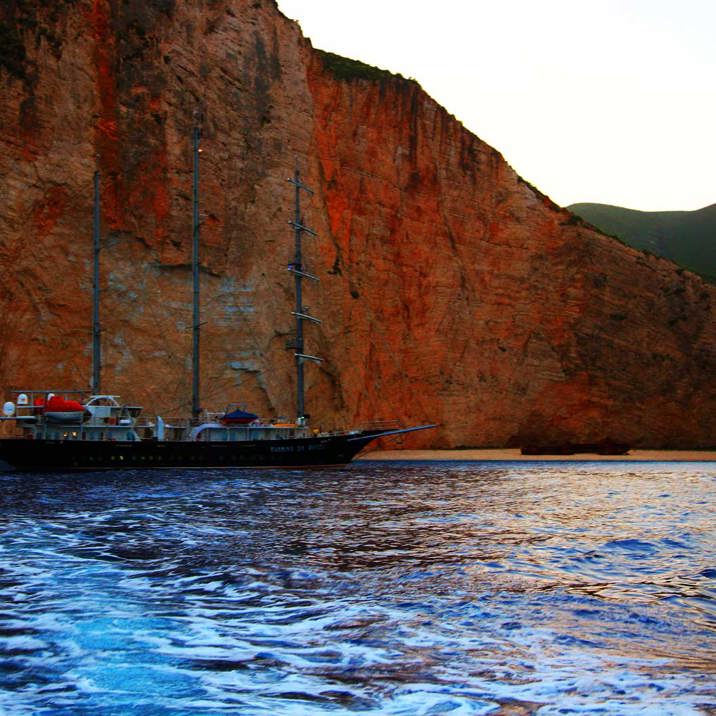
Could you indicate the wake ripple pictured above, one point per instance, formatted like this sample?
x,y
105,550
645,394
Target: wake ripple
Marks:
x,y
390,589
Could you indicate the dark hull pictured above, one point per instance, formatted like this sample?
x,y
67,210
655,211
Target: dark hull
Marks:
x,y
70,455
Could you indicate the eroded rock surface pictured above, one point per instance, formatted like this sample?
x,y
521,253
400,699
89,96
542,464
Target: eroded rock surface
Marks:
x,y
451,290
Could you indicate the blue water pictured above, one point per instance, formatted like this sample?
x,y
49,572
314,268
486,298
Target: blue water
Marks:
x,y
420,588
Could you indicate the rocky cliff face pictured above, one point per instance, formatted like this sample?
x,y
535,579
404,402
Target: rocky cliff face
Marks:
x,y
451,290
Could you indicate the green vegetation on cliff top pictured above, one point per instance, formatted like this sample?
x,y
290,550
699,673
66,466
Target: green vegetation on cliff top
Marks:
x,y
686,237
343,68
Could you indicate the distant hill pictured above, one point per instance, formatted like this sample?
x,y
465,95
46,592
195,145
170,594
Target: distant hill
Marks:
x,y
686,237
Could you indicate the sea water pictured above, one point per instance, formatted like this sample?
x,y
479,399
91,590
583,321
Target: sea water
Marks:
x,y
384,588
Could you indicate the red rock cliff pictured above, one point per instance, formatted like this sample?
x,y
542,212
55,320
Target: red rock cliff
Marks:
x,y
451,290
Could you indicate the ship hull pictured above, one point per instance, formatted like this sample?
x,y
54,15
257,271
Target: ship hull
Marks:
x,y
73,455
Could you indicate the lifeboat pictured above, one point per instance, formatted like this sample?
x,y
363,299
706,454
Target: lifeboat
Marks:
x,y
59,410
238,417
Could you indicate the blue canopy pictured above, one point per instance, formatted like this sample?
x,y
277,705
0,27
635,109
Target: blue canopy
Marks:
x,y
239,416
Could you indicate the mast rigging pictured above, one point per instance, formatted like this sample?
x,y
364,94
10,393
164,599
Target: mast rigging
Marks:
x,y
96,330
196,322
300,312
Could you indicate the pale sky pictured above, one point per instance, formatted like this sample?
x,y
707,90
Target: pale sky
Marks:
x,y
610,101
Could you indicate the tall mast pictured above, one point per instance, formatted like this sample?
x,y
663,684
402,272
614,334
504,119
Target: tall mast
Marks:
x,y
96,346
196,324
301,313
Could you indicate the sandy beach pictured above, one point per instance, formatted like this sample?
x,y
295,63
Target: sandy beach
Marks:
x,y
514,454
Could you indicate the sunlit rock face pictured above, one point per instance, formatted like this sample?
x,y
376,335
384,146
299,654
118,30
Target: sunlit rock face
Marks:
x,y
451,291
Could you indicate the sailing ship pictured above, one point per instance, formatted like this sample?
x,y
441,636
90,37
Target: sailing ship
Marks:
x,y
61,430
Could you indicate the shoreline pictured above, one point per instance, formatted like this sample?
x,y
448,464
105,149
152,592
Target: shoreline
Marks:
x,y
514,454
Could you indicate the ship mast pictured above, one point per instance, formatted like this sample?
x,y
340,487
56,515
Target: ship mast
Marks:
x,y
196,323
96,331
301,313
